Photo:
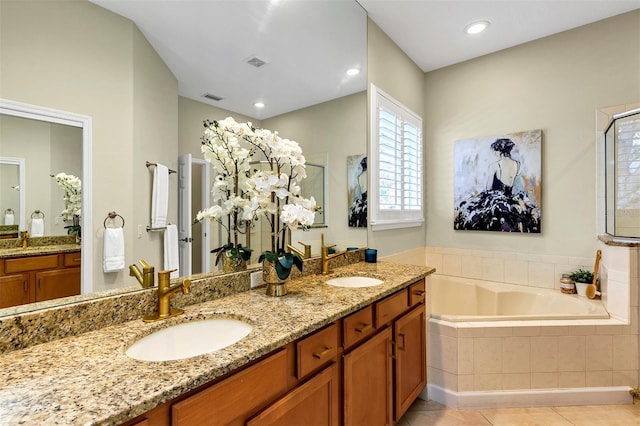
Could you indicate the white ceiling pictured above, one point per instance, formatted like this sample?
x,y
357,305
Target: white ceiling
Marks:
x,y
309,44
431,32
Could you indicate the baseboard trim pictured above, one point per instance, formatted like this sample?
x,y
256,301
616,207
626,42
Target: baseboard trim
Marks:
x,y
529,398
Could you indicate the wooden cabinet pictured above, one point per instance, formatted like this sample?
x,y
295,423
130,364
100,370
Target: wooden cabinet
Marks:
x,y
382,370
315,402
37,278
367,382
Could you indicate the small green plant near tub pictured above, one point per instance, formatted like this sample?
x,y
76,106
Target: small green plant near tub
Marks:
x,y
582,276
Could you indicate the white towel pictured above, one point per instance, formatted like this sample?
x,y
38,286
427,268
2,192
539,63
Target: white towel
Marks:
x,y
113,254
171,258
37,227
9,219
160,197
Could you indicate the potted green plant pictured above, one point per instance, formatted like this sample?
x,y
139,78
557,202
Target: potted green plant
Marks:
x,y
583,279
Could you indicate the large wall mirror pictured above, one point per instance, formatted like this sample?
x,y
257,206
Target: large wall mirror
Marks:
x,y
100,86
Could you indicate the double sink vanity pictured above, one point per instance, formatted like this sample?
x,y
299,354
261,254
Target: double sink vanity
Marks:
x,y
347,351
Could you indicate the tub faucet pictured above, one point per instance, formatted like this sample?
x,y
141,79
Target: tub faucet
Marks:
x,y
146,277
326,257
307,250
165,290
24,236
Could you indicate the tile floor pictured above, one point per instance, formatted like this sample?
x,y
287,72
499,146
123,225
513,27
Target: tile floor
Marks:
x,y
423,413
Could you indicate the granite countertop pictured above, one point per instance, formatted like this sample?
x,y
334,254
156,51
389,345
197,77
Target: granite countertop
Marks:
x,y
88,379
6,253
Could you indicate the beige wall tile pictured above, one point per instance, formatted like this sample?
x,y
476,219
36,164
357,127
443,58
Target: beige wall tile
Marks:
x,y
625,378
582,330
526,331
561,330
516,352
485,382
465,383
516,381
541,274
599,353
599,378
544,354
571,379
516,272
498,332
544,380
443,353
471,332
487,356
465,355
492,269
471,267
572,353
452,265
625,352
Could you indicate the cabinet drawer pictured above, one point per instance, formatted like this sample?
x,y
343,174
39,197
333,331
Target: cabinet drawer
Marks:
x,y
417,292
72,259
233,398
32,263
316,350
357,326
391,307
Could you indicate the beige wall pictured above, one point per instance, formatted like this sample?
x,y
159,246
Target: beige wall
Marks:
x,y
53,57
555,84
394,72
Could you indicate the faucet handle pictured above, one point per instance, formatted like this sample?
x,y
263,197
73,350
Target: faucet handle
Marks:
x,y
186,286
146,267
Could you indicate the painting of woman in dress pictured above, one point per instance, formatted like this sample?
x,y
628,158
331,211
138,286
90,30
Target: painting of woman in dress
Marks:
x,y
497,185
357,183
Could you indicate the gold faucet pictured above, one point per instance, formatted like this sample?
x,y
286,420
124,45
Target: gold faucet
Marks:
x,y
307,250
326,257
24,236
145,278
165,290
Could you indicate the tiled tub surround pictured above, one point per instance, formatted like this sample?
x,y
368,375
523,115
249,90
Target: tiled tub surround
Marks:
x,y
535,362
88,379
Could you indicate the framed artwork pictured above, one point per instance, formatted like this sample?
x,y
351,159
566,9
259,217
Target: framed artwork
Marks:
x,y
498,183
357,190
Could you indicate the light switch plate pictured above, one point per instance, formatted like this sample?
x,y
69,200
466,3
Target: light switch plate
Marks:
x,y
256,279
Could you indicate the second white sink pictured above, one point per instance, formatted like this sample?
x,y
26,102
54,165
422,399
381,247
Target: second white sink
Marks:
x,y
354,282
189,339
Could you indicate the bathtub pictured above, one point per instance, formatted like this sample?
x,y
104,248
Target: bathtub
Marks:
x,y
457,299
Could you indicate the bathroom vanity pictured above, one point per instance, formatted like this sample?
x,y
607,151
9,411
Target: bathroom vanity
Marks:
x,y
36,274
321,353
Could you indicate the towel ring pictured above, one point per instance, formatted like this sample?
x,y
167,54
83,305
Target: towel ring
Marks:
x,y
37,214
9,211
112,216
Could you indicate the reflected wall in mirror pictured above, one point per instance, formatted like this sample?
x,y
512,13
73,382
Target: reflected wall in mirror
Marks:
x,y
46,149
138,113
12,193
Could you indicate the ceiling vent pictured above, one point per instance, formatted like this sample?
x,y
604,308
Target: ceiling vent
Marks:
x,y
212,97
255,61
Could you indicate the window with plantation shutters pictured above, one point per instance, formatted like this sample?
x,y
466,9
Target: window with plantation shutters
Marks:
x,y
395,164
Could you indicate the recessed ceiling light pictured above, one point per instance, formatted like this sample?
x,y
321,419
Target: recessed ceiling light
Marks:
x,y
476,27
353,71
259,105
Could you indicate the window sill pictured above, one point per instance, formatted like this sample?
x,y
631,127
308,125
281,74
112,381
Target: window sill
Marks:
x,y
385,225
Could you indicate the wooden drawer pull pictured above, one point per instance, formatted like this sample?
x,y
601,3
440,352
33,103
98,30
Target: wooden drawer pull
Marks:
x,y
401,348
327,350
24,286
419,293
363,328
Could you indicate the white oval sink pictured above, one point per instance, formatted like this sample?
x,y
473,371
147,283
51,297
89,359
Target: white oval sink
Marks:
x,y
189,339
354,282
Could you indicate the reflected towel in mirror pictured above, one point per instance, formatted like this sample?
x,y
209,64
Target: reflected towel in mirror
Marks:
x,y
9,219
37,227
160,196
113,254
171,258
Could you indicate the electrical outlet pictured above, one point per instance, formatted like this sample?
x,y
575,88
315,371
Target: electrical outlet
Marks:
x,y
256,279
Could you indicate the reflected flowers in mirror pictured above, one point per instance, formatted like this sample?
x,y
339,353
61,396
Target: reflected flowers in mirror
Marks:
x,y
72,187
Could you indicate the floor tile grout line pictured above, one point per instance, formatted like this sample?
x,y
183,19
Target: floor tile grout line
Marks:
x,y
554,409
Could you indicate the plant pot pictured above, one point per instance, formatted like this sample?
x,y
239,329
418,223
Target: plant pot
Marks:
x,y
581,288
275,286
235,264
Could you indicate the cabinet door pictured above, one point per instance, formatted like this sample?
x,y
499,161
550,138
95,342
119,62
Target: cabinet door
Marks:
x,y
367,382
14,290
411,375
313,403
57,283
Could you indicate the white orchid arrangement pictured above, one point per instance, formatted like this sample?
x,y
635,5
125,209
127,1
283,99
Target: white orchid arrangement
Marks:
x,y
72,187
242,194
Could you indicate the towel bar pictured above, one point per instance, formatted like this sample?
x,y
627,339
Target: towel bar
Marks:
x,y
149,164
150,229
112,216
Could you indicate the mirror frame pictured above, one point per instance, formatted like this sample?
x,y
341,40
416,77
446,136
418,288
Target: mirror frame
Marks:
x,y
34,112
15,161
